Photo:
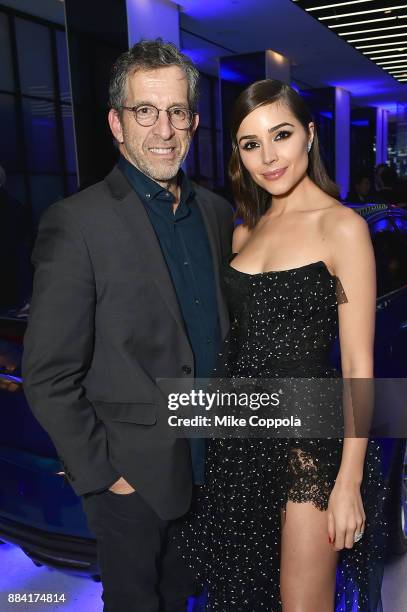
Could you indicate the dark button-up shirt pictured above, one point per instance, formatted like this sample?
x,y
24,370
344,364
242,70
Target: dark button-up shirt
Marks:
x,y
185,247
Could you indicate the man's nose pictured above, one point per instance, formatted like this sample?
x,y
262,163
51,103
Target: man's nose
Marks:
x,y
163,127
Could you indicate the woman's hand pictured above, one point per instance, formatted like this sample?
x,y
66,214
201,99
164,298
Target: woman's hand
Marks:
x,y
346,516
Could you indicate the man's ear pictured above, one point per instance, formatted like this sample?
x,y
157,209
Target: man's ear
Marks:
x,y
115,125
195,124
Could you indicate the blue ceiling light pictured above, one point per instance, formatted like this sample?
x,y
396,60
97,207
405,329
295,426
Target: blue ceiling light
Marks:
x,y
362,14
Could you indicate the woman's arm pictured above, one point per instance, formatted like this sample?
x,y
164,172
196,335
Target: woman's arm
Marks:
x,y
354,264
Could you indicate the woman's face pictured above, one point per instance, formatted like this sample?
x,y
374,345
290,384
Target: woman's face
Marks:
x,y
273,147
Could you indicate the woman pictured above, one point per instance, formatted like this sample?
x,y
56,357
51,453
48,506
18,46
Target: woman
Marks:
x,y
278,517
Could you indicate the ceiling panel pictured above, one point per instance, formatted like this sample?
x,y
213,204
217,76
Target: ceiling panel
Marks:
x,y
318,55
377,29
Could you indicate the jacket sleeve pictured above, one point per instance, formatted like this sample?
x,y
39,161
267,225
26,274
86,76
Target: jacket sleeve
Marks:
x,y
58,349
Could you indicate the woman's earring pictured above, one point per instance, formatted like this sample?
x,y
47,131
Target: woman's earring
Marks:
x,y
309,146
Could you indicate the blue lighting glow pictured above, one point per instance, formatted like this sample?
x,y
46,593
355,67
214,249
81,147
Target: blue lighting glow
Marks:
x,y
207,9
392,107
228,74
360,88
342,139
197,55
360,122
43,122
83,593
383,225
327,114
22,576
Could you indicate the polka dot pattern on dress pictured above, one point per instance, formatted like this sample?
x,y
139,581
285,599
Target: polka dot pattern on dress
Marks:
x,y
283,324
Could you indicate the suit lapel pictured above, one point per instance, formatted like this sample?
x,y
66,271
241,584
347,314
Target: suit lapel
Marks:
x,y
213,232
131,210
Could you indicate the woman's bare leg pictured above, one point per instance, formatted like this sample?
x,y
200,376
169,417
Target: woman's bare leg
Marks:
x,y
308,560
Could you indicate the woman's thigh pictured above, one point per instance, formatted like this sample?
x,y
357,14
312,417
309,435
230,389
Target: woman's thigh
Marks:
x,y
308,560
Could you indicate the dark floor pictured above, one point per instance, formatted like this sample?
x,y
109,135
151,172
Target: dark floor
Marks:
x,y
19,575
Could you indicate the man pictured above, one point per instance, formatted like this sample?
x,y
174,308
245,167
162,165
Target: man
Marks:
x,y
127,291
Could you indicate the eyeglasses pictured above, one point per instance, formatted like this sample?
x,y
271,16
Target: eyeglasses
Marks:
x,y
147,115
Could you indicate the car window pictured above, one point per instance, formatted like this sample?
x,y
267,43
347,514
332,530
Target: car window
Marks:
x,y
381,225
391,260
401,223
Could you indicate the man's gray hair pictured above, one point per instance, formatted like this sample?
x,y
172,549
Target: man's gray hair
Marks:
x,y
150,55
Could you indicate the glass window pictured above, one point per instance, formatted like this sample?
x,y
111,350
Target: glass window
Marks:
x,y
217,104
205,154
34,59
72,183
205,102
219,159
9,151
6,72
63,68
69,138
401,223
382,225
45,190
15,186
41,137
190,164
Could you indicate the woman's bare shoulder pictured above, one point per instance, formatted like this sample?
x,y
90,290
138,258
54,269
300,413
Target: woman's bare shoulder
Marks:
x,y
340,221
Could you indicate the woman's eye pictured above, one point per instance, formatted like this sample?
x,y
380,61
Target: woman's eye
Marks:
x,y
248,146
284,134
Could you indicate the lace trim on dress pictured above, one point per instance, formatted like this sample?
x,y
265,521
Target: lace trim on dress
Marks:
x,y
309,482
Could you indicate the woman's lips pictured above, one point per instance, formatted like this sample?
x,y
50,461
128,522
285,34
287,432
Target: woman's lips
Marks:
x,y
274,175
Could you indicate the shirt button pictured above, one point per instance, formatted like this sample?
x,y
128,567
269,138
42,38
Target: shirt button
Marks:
x,y
186,369
148,196
197,302
208,341
186,263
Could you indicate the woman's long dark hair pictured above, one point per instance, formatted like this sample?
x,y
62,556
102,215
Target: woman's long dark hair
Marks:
x,y
251,200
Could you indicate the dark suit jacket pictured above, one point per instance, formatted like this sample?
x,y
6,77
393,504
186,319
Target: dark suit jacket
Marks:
x,y
104,325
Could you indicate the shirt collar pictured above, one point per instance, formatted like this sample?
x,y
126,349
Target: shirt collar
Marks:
x,y
147,189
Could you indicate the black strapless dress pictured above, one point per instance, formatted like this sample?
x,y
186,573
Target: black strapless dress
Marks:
x,y
283,324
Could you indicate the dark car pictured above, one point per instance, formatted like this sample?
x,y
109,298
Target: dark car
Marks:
x,y
39,510
388,229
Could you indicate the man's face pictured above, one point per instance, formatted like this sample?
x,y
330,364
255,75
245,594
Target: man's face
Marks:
x,y
159,150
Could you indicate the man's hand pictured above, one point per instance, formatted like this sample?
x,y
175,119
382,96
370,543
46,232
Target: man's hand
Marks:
x,y
8,366
121,487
